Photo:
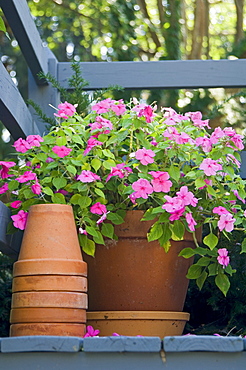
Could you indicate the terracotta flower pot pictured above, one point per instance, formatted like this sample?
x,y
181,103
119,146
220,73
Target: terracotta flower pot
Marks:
x,y
134,274
49,284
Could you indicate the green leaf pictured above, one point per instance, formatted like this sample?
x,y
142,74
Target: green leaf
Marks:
x,y
99,192
2,25
178,230
52,165
61,141
194,272
174,172
91,230
96,163
210,240
164,240
71,169
13,185
204,261
243,250
201,280
199,183
77,139
59,182
211,191
213,269
84,201
187,252
115,218
108,230
98,239
155,233
41,157
222,283
87,245
109,163
48,191
58,198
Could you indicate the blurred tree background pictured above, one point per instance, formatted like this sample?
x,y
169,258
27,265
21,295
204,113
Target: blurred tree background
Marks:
x,y
143,30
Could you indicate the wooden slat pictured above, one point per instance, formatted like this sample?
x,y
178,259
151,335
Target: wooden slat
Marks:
x,y
13,111
22,24
169,74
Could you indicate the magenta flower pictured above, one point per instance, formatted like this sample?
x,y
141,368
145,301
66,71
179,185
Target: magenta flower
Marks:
x,y
82,231
121,170
119,108
4,188
226,222
34,140
21,145
220,210
177,214
27,176
187,197
61,151
20,219
101,123
65,109
5,168
142,188
173,204
223,257
88,176
210,166
15,204
98,208
238,142
102,106
102,218
62,191
36,188
205,143
196,117
147,112
91,332
160,182
91,143
190,221
145,156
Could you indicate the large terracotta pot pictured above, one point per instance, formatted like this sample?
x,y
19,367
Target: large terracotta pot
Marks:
x,y
134,274
49,279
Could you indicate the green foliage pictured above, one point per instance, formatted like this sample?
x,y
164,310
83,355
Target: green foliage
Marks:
x,y
5,293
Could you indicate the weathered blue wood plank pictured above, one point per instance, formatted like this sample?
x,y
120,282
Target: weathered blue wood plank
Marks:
x,y
13,111
41,344
170,74
208,343
22,24
122,344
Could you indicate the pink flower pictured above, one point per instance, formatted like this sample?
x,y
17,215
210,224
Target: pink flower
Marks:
x,y
210,166
142,188
238,142
91,332
98,208
20,220
182,138
145,156
4,188
61,151
91,143
36,188
187,197
223,257
5,168
65,109
235,192
244,213
102,106
196,117
176,214
102,218
34,140
21,145
62,191
118,108
226,222
173,204
205,143
82,231
88,176
220,210
27,176
15,204
160,182
101,123
190,221
216,135
147,112
133,197
120,170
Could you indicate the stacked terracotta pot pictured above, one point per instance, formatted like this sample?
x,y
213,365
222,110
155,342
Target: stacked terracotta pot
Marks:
x,y
50,276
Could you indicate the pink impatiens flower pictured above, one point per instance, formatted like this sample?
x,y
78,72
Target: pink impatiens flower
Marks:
x,y
102,106
220,210
118,108
20,220
91,143
88,176
91,332
15,204
27,176
65,109
142,188
101,123
98,208
187,197
120,170
4,188
160,182
61,151
226,222
223,257
210,166
21,145
5,168
36,188
34,140
190,221
145,156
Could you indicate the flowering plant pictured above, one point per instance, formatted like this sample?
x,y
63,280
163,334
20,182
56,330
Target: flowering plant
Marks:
x,y
126,156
